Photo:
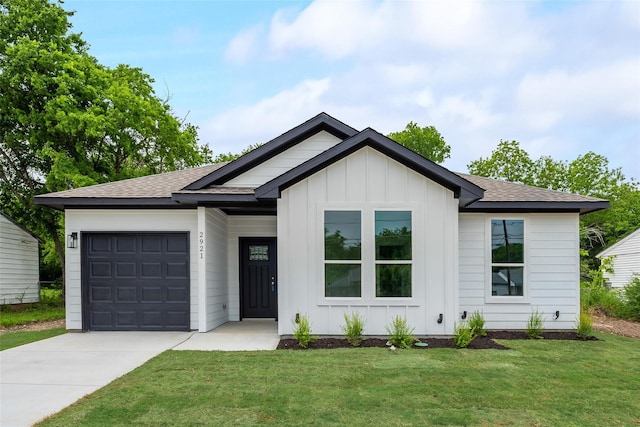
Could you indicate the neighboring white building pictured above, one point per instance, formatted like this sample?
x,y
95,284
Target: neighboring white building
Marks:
x,y
625,256
320,221
19,263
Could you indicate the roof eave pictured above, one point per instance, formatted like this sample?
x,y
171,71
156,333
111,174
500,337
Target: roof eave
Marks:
x,y
539,206
62,203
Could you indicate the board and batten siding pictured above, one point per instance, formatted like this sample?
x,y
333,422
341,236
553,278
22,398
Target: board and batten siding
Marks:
x,y
367,181
625,260
285,161
19,264
135,221
243,226
212,258
552,271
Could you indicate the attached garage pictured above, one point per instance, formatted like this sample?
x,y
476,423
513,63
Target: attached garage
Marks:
x,y
135,281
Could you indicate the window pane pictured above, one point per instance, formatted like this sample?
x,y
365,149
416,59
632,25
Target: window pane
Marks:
x,y
507,281
342,235
507,241
342,280
258,253
393,235
393,280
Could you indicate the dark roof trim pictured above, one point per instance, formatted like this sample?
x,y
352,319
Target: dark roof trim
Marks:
x,y
62,203
463,189
321,122
226,199
522,207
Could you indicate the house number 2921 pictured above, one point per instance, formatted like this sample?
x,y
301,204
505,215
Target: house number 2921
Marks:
x,y
201,244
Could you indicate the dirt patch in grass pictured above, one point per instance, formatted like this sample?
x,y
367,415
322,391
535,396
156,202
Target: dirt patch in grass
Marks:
x,y
34,326
611,325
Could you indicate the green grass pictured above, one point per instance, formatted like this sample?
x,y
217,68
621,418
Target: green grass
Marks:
x,y
50,307
568,383
14,339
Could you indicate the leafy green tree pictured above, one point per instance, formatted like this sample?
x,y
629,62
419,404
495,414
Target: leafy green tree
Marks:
x,y
66,121
425,141
588,175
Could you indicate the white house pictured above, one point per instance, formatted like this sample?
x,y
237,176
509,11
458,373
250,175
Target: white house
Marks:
x,y
625,256
19,263
322,220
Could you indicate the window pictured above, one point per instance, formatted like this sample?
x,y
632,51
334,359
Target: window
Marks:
x,y
342,253
507,257
393,253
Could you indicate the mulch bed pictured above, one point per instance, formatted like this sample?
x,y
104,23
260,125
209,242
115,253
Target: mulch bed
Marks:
x,y
479,343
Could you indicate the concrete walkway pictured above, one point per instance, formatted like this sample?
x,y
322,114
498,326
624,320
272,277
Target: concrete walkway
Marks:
x,y
44,377
248,335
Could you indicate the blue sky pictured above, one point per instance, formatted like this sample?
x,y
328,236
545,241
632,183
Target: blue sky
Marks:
x,y
562,78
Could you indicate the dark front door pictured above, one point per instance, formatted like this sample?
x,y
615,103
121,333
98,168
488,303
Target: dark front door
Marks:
x,y
136,281
258,280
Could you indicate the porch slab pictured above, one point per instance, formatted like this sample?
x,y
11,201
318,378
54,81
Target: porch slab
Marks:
x,y
247,335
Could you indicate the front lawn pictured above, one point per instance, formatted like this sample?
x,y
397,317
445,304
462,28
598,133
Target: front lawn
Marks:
x,y
50,307
536,383
14,339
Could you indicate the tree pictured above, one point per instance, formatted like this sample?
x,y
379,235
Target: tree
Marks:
x,y
588,175
66,121
425,141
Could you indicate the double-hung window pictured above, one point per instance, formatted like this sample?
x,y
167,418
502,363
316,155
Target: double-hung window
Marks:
x,y
342,254
507,257
393,253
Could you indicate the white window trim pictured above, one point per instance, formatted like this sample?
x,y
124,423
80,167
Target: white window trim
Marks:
x,y
506,299
367,256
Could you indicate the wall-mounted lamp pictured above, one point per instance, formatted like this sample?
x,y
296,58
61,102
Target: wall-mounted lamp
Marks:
x,y
72,240
440,318
464,315
556,315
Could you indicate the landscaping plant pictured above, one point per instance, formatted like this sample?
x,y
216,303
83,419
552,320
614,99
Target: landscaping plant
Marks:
x,y
400,333
302,332
462,334
476,324
631,300
584,325
535,325
353,328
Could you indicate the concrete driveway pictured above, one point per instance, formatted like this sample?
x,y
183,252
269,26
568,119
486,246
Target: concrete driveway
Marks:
x,y
39,379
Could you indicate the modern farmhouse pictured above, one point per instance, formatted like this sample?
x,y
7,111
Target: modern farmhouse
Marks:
x,y
322,220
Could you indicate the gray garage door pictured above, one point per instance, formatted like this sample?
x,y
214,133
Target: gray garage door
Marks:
x,y
136,282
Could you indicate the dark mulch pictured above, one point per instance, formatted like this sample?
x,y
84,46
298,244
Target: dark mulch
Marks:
x,y
479,343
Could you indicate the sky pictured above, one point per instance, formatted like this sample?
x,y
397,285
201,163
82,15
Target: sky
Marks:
x,y
560,77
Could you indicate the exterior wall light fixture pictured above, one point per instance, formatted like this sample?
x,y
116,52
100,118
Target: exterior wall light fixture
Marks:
x,y
72,240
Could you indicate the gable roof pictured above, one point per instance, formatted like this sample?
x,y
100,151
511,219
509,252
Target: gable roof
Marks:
x,y
204,186
321,122
466,191
614,249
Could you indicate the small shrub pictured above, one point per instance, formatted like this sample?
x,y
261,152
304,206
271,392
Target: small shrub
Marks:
x,y
302,332
535,325
462,334
353,328
584,325
400,334
476,324
631,300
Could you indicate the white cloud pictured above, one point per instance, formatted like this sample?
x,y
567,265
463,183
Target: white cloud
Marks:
x,y
242,126
243,46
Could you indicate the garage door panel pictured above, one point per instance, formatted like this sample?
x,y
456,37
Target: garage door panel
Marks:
x,y
151,294
126,269
99,269
177,270
137,281
151,270
151,245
